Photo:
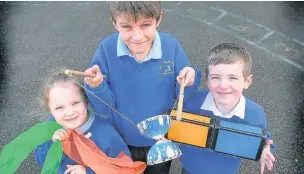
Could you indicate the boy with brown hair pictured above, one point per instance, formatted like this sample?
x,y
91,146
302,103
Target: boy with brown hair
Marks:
x,y
228,74
144,68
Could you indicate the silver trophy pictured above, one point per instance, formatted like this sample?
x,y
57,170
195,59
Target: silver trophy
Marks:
x,y
163,150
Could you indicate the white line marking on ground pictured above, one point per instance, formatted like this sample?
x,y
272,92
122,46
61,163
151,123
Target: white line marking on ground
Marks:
x,y
251,21
267,35
248,41
223,13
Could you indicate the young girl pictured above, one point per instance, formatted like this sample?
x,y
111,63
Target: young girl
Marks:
x,y
68,104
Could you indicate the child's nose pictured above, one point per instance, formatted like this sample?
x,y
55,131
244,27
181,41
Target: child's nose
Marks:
x,y
224,84
137,34
69,111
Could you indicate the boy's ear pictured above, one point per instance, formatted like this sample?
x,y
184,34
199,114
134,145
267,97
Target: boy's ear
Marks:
x,y
160,18
114,24
205,80
248,81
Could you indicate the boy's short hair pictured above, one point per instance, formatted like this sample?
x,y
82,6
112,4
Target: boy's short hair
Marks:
x,y
229,53
133,9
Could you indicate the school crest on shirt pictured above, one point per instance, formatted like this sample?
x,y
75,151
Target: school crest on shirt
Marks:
x,y
166,67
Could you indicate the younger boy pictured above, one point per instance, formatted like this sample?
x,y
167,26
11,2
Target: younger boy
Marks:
x,y
141,67
228,73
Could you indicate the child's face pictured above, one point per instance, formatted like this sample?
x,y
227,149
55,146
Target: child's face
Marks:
x,y
226,83
139,35
67,105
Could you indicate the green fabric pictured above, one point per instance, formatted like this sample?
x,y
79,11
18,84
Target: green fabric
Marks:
x,y
53,158
17,150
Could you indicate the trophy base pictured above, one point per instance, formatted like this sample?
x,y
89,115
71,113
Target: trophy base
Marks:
x,y
163,151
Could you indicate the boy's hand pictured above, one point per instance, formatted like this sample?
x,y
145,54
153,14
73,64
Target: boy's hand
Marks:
x,y
267,157
189,74
93,76
61,135
75,169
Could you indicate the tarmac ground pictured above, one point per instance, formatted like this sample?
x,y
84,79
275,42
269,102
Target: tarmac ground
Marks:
x,y
37,37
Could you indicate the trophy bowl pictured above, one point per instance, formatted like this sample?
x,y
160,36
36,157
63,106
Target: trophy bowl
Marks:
x,y
163,150
155,127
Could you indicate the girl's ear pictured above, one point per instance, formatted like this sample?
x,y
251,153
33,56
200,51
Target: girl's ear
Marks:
x,y
248,81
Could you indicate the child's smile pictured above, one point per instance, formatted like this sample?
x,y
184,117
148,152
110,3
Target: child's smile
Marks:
x,y
137,35
70,118
226,82
224,93
67,106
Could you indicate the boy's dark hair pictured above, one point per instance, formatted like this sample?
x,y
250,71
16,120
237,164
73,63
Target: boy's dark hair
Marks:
x,y
133,9
229,53
58,77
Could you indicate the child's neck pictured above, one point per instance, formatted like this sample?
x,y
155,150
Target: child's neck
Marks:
x,y
141,56
226,109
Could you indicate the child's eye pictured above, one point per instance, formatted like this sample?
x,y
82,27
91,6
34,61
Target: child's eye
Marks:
x,y
214,77
146,25
233,78
59,108
75,103
126,26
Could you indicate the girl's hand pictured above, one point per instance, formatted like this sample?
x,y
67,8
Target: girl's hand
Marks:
x,y
75,169
61,135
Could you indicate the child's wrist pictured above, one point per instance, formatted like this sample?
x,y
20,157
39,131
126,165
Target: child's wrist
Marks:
x,y
98,88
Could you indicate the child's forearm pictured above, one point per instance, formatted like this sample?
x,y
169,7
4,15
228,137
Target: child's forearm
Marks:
x,y
198,76
101,101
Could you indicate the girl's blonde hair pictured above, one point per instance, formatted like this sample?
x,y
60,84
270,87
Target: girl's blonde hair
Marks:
x,y
60,77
